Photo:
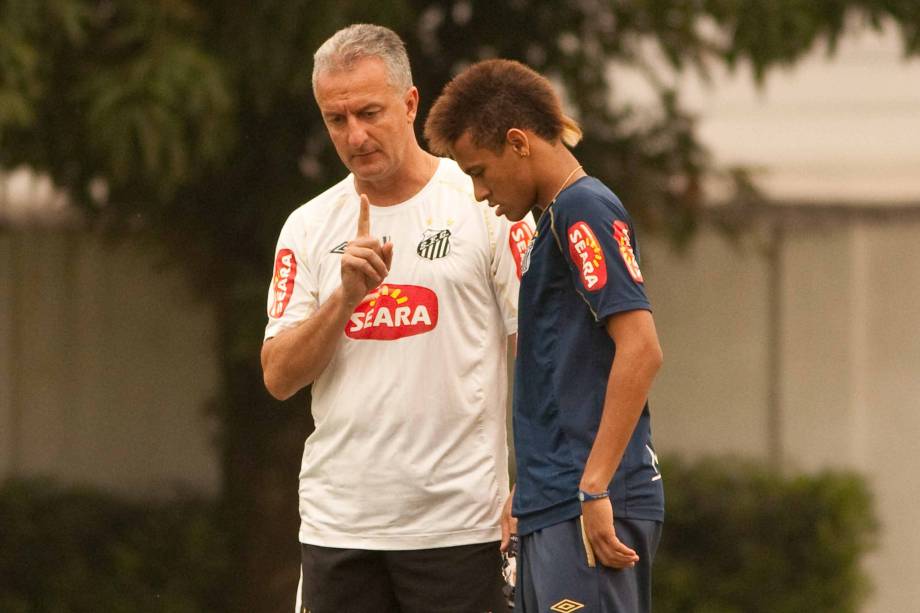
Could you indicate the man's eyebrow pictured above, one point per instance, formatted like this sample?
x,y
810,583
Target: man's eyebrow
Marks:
x,y
338,111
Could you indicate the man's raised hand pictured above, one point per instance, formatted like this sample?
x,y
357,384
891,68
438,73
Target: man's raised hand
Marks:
x,y
366,262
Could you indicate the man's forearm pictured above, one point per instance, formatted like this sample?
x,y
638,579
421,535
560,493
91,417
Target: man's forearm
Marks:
x,y
634,367
296,357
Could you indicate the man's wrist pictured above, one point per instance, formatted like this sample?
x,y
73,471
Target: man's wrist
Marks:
x,y
584,496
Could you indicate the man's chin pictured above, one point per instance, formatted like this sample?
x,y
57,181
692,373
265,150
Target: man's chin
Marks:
x,y
369,170
509,214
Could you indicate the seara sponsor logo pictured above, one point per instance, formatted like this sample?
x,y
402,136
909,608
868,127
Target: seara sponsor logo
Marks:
x,y
519,241
394,311
621,235
588,256
283,282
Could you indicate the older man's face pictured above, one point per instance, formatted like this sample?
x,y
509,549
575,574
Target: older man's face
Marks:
x,y
370,123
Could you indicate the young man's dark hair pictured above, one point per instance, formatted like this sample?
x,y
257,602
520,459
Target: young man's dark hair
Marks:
x,y
490,98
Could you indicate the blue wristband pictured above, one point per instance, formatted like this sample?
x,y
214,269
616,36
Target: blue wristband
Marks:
x,y
584,496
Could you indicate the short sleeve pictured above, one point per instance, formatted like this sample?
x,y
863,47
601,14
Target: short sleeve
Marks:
x,y
510,241
292,296
597,240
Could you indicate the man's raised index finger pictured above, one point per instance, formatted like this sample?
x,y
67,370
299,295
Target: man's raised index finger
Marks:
x,y
364,217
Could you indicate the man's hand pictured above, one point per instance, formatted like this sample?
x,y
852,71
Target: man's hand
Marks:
x,y
366,262
509,523
597,517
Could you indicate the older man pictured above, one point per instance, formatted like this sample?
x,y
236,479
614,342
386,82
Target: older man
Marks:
x,y
394,294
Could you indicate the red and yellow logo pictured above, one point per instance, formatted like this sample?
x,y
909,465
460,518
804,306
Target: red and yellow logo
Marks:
x,y
283,282
621,235
394,311
519,240
588,256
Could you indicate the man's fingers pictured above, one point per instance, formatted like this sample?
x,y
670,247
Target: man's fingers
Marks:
x,y
371,257
364,217
624,551
363,268
611,551
387,251
613,557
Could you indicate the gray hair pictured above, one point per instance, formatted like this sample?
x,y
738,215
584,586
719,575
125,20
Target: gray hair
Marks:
x,y
362,40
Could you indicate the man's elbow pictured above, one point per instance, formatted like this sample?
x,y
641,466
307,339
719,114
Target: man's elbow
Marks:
x,y
276,386
652,358
273,377
657,356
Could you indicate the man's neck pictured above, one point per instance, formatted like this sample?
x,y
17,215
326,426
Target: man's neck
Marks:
x,y
414,174
559,169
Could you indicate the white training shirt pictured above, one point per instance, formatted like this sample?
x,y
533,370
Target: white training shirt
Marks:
x,y
409,450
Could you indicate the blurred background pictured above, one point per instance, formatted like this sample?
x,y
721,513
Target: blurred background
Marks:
x,y
151,149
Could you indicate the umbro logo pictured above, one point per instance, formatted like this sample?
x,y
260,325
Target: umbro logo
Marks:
x,y
340,248
566,606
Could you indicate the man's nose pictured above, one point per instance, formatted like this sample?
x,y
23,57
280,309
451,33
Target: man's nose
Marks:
x,y
356,133
480,192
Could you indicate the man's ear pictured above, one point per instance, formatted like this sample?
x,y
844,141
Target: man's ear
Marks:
x,y
518,141
411,101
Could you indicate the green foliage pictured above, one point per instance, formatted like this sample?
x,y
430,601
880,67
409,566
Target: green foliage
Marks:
x,y
81,551
739,538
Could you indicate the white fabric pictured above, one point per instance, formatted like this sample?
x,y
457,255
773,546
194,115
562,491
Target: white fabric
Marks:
x,y
298,599
409,450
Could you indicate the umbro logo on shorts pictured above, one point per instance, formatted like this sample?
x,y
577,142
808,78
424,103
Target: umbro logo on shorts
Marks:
x,y
566,606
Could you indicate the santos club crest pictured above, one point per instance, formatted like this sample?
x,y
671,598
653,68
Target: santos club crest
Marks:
x,y
435,244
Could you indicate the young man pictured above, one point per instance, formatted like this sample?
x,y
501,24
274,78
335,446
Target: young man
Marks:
x,y
588,501
395,295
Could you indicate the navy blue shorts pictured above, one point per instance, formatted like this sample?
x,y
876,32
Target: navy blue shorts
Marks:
x,y
553,573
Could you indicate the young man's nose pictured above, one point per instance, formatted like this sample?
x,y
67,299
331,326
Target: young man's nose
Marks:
x,y
480,192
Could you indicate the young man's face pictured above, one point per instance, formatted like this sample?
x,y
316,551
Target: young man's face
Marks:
x,y
369,122
503,179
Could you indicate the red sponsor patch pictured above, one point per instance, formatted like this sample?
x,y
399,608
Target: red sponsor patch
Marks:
x,y
283,282
519,240
588,256
394,311
621,235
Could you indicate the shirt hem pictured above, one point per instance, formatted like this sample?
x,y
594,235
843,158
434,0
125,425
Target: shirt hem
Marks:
x,y
568,511
622,307
399,542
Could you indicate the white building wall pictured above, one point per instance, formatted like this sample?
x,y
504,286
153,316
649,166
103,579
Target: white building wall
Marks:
x,y
108,363
892,409
848,378
711,308
820,298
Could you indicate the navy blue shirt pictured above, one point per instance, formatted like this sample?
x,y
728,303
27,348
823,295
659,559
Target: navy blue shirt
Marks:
x,y
582,267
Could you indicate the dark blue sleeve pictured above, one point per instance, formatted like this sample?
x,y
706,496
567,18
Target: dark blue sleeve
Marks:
x,y
597,239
